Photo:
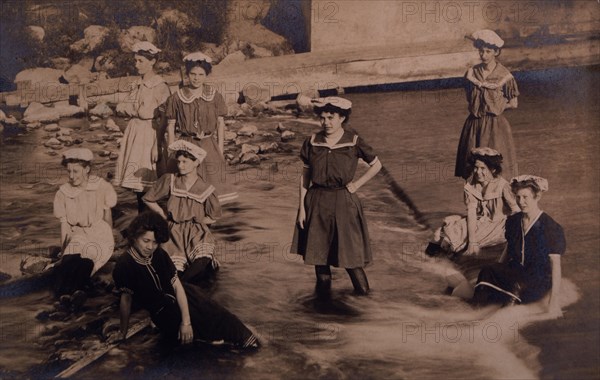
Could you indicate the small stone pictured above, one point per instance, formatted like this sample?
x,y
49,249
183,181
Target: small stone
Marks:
x,y
34,125
51,153
288,136
112,126
94,118
248,130
268,147
229,136
229,156
250,159
248,148
63,132
43,316
52,142
65,139
241,140
281,128
52,128
113,156
101,110
104,153
10,120
117,134
94,126
267,134
58,316
50,330
230,122
77,141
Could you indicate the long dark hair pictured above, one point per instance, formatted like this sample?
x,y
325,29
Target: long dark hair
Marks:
x,y
147,221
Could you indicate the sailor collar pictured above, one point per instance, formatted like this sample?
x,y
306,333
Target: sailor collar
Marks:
x,y
499,74
494,189
151,82
207,94
71,191
199,191
347,139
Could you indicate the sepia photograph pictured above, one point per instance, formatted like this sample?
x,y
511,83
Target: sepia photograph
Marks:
x,y
299,189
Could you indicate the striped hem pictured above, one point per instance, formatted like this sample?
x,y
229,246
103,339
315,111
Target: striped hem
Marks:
x,y
498,289
251,342
179,262
202,250
227,197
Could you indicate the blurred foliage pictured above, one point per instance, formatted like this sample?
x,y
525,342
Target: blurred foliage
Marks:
x,y
64,22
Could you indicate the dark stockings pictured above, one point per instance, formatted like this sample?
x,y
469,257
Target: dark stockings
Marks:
x,y
72,274
140,202
357,276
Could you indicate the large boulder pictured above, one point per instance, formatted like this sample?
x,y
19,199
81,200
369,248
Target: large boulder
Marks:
x,y
216,52
101,110
39,75
38,112
36,32
60,63
258,35
79,74
233,58
93,36
136,34
64,109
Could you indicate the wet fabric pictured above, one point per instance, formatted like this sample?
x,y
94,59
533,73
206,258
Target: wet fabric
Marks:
x,y
528,269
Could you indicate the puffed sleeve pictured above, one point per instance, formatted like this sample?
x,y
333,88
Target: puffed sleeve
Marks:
x,y
305,153
220,105
510,89
470,199
554,237
171,107
160,190
60,210
163,92
110,195
365,152
509,199
212,206
121,279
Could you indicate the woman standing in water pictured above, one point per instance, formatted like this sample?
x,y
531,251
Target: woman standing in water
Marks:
x,y
139,153
83,205
491,89
192,205
531,264
331,226
198,110
145,273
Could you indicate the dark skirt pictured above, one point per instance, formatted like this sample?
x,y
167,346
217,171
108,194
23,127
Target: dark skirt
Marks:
x,y
335,231
488,131
210,321
501,282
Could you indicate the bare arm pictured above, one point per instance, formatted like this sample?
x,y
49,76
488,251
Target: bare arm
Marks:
x,y
186,334
125,312
554,305
156,208
221,133
303,188
171,132
108,217
473,247
370,173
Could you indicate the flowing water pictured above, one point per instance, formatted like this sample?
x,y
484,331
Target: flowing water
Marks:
x,y
407,327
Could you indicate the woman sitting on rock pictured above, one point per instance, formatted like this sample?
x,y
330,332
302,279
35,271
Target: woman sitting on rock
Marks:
x,y
489,201
181,311
83,205
192,205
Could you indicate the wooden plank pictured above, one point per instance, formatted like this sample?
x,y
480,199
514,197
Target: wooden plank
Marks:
x,y
91,357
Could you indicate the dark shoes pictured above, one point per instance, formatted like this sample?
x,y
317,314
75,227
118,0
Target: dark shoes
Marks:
x,y
433,249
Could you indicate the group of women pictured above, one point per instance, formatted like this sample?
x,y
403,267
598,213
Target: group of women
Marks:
x,y
171,252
